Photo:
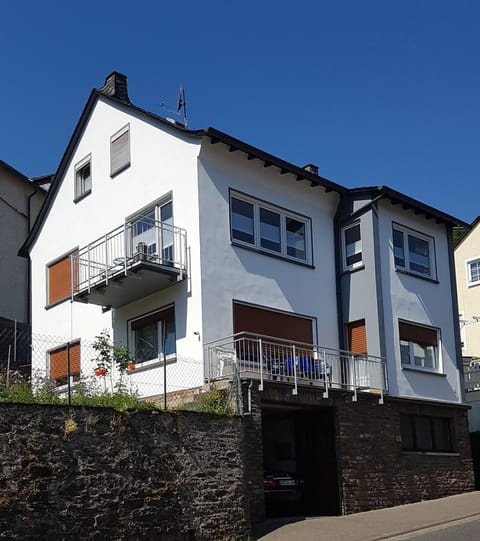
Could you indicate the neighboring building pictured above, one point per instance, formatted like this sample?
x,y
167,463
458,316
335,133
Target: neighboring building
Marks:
x,y
20,202
467,266
210,258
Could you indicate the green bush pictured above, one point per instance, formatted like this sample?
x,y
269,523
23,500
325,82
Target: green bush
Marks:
x,y
214,402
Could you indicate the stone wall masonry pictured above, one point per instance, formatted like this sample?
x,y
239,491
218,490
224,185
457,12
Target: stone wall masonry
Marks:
x,y
94,473
376,473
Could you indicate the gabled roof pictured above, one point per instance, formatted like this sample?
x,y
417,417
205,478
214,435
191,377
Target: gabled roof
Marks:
x,y
115,91
11,169
468,229
409,203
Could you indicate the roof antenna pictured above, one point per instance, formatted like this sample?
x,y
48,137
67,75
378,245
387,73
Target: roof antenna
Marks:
x,y
182,104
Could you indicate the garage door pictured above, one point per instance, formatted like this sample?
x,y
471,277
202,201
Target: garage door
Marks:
x,y
256,320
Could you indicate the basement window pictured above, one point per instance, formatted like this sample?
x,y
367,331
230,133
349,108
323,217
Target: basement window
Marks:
x,y
425,433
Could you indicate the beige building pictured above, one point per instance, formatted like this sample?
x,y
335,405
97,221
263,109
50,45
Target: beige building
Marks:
x,y
467,267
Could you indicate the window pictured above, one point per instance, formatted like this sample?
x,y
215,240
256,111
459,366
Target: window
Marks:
x,y
352,247
152,233
59,279
418,346
64,363
120,151
83,178
424,433
153,337
413,252
269,229
473,272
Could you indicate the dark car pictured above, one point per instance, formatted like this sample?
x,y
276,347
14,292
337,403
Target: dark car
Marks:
x,y
282,486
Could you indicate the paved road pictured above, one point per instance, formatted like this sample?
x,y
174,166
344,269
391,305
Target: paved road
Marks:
x,y
447,519
460,530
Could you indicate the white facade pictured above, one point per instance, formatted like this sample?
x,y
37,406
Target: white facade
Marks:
x,y
200,178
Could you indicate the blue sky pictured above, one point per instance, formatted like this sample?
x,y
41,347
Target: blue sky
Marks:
x,y
373,92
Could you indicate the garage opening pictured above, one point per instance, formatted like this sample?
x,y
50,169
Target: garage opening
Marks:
x,y
300,467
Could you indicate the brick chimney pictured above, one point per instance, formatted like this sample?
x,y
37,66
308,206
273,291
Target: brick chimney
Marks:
x,y
311,168
116,86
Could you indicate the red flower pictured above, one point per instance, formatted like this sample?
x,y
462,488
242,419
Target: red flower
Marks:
x,y
131,366
100,371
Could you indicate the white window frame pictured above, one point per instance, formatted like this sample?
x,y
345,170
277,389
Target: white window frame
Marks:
x,y
406,232
158,360
411,365
119,168
468,264
79,189
284,214
358,264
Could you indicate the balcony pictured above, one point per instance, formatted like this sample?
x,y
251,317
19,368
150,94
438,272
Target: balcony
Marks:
x,y
132,261
472,378
275,360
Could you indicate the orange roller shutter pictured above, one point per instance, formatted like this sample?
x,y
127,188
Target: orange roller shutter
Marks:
x,y
58,361
357,337
60,280
269,323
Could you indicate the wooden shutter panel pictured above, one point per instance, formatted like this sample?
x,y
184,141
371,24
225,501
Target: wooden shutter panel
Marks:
x,y
120,152
423,336
58,361
269,323
59,280
357,337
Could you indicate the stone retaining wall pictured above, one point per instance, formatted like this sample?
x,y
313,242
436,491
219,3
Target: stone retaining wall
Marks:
x,y
94,473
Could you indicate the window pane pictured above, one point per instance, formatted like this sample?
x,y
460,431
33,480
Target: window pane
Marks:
x,y
418,253
120,152
144,234
405,352
242,221
353,245
270,230
423,433
424,356
166,217
406,431
295,238
441,431
146,343
83,180
398,248
168,331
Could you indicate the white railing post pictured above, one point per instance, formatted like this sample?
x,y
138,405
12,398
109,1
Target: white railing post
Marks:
x,y
88,267
106,258
354,372
260,353
125,248
295,388
325,373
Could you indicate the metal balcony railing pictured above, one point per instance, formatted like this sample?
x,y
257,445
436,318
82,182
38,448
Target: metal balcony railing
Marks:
x,y
266,358
142,241
472,379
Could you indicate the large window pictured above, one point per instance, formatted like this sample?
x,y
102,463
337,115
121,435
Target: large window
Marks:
x,y
59,279
352,247
424,433
473,272
64,363
83,178
153,337
413,252
120,151
269,229
418,346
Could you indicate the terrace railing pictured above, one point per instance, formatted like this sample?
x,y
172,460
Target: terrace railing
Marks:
x,y
271,359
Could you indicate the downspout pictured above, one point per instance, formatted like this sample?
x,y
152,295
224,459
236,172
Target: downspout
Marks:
x,y
456,327
337,220
29,264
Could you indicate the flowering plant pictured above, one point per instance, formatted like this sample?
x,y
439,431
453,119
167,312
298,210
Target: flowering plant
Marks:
x,y
100,371
131,366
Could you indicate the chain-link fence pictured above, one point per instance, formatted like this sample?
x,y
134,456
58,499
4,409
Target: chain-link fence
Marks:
x,y
70,369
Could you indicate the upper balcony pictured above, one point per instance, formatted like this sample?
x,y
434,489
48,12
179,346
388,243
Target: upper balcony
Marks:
x,y
269,359
132,261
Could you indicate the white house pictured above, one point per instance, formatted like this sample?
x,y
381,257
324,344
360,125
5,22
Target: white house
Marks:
x,y
207,256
